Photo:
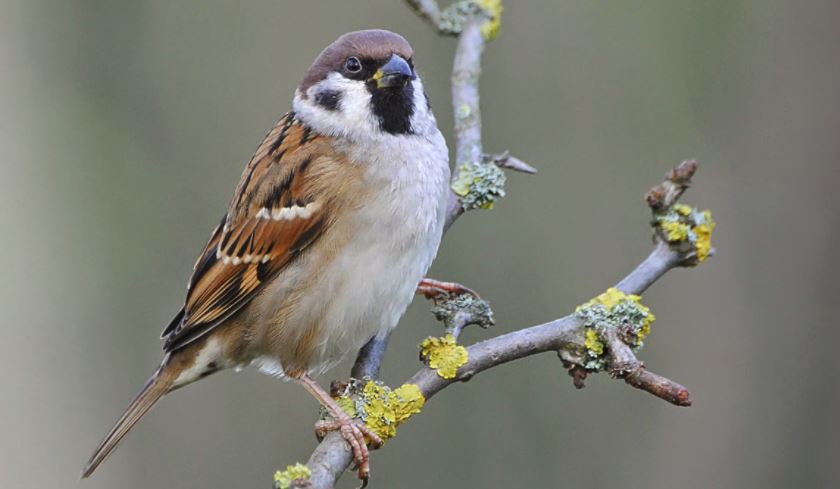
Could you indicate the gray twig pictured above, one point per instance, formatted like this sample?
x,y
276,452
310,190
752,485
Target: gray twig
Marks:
x,y
625,365
561,335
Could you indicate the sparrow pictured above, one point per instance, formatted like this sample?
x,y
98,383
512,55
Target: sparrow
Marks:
x,y
334,223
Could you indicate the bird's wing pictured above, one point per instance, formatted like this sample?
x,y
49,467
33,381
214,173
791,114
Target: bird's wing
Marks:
x,y
282,205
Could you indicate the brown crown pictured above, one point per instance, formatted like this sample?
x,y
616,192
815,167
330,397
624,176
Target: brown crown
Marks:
x,y
376,44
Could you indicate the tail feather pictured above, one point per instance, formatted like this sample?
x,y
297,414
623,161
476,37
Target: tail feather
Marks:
x,y
149,395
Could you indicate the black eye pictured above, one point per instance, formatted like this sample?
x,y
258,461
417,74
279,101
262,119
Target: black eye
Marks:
x,y
353,65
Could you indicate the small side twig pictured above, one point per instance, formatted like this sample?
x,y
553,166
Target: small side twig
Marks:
x,y
659,386
671,189
505,160
625,365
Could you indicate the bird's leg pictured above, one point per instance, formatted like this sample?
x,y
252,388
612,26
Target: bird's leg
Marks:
x,y
433,289
351,430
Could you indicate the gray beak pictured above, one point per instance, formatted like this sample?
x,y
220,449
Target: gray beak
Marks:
x,y
393,74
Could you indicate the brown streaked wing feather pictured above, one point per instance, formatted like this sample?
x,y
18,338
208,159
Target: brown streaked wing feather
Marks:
x,y
275,213
202,264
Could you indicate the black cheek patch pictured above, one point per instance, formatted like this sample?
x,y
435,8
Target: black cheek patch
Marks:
x,y
328,99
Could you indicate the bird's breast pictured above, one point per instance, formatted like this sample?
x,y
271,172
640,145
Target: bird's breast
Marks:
x,y
362,276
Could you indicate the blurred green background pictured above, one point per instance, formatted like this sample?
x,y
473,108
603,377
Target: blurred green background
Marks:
x,y
125,125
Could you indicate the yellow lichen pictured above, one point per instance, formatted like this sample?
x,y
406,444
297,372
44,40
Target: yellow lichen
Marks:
x,y
490,29
380,414
383,409
347,405
704,240
675,231
444,355
613,309
683,224
408,401
283,478
593,343
461,185
611,298
644,328
682,209
479,185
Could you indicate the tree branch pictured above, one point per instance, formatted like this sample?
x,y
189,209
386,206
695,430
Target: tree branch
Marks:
x,y
567,335
466,71
563,335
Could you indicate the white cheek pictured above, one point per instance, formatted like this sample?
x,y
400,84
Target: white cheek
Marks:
x,y
355,99
354,120
353,117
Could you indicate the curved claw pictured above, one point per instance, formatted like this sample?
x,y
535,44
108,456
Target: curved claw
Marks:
x,y
357,435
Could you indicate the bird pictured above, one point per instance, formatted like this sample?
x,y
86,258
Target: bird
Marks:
x,y
335,221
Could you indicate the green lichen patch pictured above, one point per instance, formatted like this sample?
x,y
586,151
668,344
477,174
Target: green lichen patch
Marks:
x,y
448,309
283,479
479,185
686,229
444,355
381,408
613,310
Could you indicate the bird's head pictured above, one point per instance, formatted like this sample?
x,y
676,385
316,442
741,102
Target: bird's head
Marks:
x,y
364,85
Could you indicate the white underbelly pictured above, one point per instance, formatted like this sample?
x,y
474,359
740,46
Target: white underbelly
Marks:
x,y
367,285
378,284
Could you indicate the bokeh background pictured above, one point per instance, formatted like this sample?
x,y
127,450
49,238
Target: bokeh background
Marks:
x,y
124,127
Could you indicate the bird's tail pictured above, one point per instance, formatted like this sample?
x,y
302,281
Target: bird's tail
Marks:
x,y
158,384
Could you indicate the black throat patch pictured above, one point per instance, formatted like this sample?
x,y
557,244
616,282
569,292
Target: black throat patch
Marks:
x,y
393,107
